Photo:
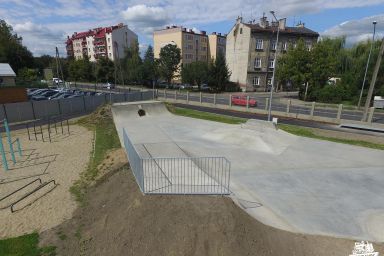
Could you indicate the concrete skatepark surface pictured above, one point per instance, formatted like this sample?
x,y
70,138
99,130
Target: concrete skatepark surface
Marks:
x,y
289,182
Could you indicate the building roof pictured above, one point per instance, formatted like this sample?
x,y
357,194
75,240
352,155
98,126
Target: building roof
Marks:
x,y
6,70
288,30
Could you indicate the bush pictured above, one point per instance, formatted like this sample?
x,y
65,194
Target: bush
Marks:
x,y
328,94
232,87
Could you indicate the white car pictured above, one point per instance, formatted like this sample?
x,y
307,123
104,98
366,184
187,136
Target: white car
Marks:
x,y
108,86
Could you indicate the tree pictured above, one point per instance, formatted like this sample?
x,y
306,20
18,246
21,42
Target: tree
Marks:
x,y
105,70
294,67
170,56
27,75
11,49
132,63
218,73
195,73
150,70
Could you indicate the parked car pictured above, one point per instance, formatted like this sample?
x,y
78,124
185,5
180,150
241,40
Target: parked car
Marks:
x,y
241,100
109,86
186,86
56,81
205,88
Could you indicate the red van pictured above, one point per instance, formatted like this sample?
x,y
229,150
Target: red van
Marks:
x,y
241,100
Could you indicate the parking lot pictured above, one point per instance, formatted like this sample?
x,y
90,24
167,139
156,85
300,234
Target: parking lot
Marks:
x,y
36,94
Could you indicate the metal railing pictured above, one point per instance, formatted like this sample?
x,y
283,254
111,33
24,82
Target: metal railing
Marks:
x,y
179,175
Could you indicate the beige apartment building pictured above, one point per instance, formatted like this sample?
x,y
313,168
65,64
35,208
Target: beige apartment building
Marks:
x,y
193,46
251,49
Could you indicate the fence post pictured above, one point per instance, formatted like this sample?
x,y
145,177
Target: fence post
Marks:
x,y
247,102
214,99
370,116
201,97
85,109
340,109
266,104
187,96
313,108
288,106
230,100
175,95
165,94
59,106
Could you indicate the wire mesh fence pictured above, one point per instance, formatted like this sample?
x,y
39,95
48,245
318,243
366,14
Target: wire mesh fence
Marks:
x,y
179,175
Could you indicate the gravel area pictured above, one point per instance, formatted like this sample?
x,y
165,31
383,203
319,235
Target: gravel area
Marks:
x,y
61,160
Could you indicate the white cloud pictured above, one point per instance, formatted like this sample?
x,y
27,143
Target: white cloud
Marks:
x,y
40,21
146,18
38,38
357,30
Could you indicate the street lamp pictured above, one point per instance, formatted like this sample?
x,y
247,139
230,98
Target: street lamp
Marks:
x,y
366,67
274,65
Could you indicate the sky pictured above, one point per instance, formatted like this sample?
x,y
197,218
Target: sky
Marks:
x,y
45,24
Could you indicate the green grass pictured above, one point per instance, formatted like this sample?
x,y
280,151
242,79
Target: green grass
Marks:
x,y
26,245
305,132
293,129
205,115
106,139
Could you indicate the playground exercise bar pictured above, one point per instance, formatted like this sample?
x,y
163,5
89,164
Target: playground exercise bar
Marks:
x,y
3,157
9,140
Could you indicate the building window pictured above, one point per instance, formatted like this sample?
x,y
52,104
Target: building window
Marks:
x,y
259,44
109,47
188,37
190,47
273,45
188,56
110,54
89,49
308,44
285,45
204,48
256,81
241,30
271,63
109,40
257,63
269,81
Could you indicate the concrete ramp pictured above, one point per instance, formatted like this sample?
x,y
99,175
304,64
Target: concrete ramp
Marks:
x,y
165,168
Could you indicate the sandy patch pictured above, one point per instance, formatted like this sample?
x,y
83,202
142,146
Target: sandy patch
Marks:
x,y
62,160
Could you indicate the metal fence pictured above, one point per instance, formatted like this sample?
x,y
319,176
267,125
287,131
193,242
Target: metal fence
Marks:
x,y
179,175
33,110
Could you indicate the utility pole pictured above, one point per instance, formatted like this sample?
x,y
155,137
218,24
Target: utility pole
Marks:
x,y
366,67
274,64
373,81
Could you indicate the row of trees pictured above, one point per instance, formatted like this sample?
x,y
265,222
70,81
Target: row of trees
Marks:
x,y
133,69
310,70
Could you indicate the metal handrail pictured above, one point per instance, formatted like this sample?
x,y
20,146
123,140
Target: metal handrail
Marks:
x,y
33,191
17,190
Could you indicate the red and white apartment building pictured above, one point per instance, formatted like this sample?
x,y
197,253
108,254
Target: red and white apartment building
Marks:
x,y
108,42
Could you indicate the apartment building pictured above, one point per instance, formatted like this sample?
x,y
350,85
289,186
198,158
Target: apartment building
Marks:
x,y
95,43
217,44
194,46
251,49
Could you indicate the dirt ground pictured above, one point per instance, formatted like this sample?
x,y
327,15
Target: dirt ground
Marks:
x,y
119,220
61,160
